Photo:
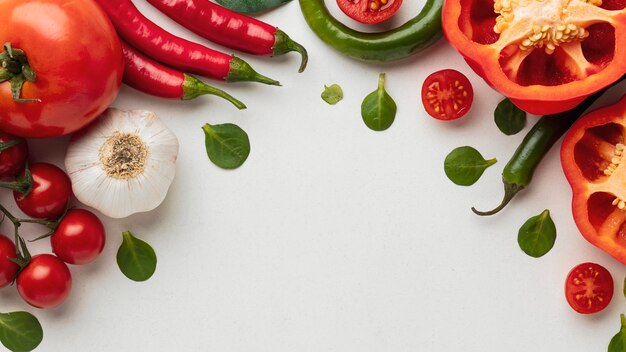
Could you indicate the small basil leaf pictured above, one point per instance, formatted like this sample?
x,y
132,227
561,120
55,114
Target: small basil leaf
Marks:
x,y
227,145
251,6
136,258
378,109
509,118
618,342
465,165
536,237
20,331
333,94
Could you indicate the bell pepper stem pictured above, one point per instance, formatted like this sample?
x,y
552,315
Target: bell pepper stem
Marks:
x,y
510,190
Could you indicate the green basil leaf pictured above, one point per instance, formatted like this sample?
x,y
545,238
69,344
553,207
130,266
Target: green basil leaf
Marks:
x,y
618,342
536,237
20,331
251,6
378,109
465,165
333,94
509,118
227,145
136,258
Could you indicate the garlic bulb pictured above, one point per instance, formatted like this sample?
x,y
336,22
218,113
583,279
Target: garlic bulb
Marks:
x,y
122,164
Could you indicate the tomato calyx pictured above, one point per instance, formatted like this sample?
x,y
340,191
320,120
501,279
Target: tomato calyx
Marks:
x,y
6,145
14,67
22,184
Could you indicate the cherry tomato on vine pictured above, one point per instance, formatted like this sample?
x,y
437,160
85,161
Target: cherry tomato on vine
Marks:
x,y
8,269
447,94
13,158
589,288
369,11
79,238
45,282
50,194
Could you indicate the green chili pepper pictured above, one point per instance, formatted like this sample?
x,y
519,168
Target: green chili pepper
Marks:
x,y
408,39
547,131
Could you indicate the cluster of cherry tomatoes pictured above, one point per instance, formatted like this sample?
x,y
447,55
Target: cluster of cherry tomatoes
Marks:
x,y
77,235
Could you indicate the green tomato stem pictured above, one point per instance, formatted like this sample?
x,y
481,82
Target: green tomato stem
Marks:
x,y
22,185
17,70
6,145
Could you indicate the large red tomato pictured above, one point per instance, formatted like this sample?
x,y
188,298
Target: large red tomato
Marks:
x,y
76,56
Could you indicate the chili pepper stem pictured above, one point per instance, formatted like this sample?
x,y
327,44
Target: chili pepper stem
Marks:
x,y
285,44
510,190
193,88
242,71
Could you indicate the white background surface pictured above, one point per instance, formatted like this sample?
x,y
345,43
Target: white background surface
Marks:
x,y
332,237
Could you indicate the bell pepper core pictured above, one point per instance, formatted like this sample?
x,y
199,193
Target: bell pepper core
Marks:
x,y
545,55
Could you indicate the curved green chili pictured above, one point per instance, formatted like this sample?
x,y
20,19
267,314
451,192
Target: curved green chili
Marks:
x,y
408,39
519,171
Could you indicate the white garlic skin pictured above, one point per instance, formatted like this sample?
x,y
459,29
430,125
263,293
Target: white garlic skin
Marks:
x,y
120,198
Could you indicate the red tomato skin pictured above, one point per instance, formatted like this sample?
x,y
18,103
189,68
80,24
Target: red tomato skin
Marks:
x,y
79,238
359,10
8,269
51,193
602,286
447,79
13,159
45,282
72,47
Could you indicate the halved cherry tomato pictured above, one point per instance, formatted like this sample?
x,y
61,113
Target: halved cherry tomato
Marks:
x,y
447,94
369,11
589,288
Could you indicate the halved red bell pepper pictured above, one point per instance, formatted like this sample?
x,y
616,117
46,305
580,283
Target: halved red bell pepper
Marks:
x,y
591,156
545,55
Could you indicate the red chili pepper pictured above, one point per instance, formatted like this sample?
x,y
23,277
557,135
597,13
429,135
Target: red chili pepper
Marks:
x,y
231,29
149,76
174,51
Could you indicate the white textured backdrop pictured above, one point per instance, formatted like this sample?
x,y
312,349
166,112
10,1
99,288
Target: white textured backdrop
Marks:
x,y
332,237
